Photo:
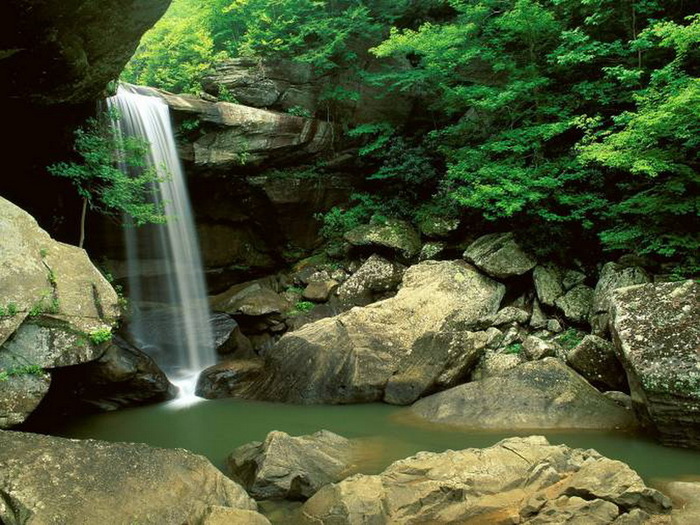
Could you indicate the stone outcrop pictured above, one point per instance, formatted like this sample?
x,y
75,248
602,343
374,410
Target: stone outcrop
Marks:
x,y
576,304
232,135
57,309
518,480
286,467
67,52
612,276
499,255
657,336
349,358
376,276
290,86
538,394
52,480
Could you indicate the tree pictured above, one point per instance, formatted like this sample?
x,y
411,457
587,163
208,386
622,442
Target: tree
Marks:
x,y
113,175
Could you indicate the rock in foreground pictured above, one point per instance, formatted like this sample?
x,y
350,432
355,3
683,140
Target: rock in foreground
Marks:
x,y
656,329
286,467
519,480
539,394
52,480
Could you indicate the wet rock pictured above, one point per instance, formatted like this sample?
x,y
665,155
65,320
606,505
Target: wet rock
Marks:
x,y
223,379
394,235
53,480
376,276
538,394
657,335
499,255
349,358
228,337
594,358
518,480
286,467
576,303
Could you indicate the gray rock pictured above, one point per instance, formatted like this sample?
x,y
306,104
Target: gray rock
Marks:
x,y
20,396
493,363
548,283
349,358
535,348
235,375
594,358
622,399
510,315
576,304
518,480
52,480
320,291
395,235
217,515
554,326
657,335
376,276
612,277
286,467
686,497
538,394
431,250
255,298
538,319
499,255
438,227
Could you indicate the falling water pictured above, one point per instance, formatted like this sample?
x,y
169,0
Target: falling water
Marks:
x,y
170,313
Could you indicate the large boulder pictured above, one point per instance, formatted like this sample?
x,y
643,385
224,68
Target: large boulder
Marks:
x,y
52,480
232,135
612,276
657,336
595,359
349,358
539,394
287,467
499,255
58,310
518,480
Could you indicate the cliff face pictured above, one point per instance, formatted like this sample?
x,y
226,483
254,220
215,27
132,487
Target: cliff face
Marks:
x,y
56,59
56,52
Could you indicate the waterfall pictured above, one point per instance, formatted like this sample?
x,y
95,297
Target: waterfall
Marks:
x,y
170,312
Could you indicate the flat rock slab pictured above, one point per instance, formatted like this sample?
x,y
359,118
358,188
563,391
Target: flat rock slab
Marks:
x,y
53,480
656,330
518,480
536,395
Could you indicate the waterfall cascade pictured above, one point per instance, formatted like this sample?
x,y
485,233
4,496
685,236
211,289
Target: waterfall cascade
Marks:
x,y
170,313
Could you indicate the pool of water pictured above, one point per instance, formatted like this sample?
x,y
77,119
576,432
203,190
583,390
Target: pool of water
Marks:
x,y
387,433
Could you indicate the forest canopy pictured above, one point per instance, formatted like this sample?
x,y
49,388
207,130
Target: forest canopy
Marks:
x,y
576,120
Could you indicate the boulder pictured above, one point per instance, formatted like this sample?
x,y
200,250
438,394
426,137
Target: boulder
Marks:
x,y
499,255
254,299
518,480
217,515
234,375
349,358
58,310
286,467
535,348
53,480
686,501
432,250
612,276
495,363
376,276
657,335
594,358
320,291
438,227
393,235
576,304
228,337
549,285
539,394
438,360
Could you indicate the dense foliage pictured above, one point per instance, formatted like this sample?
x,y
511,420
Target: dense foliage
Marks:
x,y
112,173
576,118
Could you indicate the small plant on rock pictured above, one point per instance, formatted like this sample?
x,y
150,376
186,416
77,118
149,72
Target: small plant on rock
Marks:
x,y
102,335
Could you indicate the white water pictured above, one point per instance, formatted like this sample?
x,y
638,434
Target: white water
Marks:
x,y
170,312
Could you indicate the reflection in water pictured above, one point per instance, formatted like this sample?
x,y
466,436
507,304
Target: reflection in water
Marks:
x,y
215,428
